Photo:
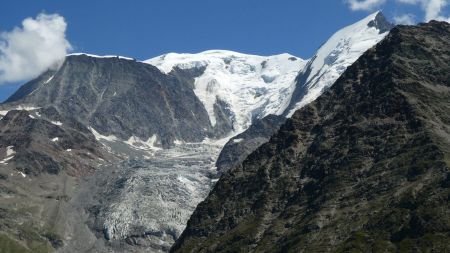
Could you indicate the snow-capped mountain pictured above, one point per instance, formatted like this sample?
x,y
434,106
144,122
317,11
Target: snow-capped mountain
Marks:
x,y
153,131
212,94
336,177
251,86
319,74
333,58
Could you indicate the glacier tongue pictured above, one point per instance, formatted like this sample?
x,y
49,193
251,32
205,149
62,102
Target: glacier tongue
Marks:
x,y
145,202
146,199
252,86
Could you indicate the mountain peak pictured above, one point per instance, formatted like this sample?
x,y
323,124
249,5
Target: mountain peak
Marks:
x,y
378,134
380,22
333,57
100,56
248,86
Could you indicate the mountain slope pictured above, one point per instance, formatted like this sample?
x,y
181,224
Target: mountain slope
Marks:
x,y
126,150
252,87
123,98
365,167
248,86
41,161
37,145
329,62
240,146
193,96
333,57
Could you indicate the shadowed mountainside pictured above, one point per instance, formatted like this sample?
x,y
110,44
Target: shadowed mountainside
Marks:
x,y
123,98
364,167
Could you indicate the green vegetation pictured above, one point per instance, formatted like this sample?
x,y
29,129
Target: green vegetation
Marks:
x,y
447,160
8,245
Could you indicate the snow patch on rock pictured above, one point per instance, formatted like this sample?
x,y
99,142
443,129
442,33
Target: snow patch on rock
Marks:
x,y
58,123
99,136
138,143
102,56
9,155
237,140
48,80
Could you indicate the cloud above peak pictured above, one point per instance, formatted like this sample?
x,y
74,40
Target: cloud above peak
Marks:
x,y
38,45
405,19
364,5
433,9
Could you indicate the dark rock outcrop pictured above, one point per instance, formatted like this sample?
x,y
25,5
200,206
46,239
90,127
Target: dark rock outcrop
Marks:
x,y
243,144
123,98
381,23
42,146
363,168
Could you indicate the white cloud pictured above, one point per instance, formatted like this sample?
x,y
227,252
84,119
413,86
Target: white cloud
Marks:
x,y
405,19
27,51
410,1
365,5
432,8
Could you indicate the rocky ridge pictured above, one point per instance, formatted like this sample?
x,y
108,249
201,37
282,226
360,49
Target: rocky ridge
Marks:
x,y
365,167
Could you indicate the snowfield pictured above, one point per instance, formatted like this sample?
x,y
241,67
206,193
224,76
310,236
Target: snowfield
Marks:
x,y
256,86
333,58
252,86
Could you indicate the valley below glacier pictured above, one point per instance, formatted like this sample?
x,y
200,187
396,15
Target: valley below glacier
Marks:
x,y
111,154
140,202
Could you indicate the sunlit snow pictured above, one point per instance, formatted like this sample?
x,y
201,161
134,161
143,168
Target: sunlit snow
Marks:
x,y
333,58
253,86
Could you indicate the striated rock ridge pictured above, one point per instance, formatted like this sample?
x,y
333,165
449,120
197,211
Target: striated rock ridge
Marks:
x,y
240,146
123,98
33,144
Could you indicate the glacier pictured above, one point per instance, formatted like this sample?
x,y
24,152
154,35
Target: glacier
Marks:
x,y
146,198
251,85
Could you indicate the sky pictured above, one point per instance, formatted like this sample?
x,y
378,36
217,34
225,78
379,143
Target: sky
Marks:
x,y
36,34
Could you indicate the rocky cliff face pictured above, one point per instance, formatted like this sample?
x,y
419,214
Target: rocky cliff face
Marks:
x,y
34,144
240,146
124,98
365,167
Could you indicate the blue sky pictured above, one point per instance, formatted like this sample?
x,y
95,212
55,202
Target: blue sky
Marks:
x,y
144,29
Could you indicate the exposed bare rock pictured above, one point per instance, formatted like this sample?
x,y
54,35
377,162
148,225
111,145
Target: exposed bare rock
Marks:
x,y
363,168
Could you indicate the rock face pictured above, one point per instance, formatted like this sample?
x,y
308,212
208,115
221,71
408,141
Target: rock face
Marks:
x,y
243,144
316,76
35,145
365,167
123,98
